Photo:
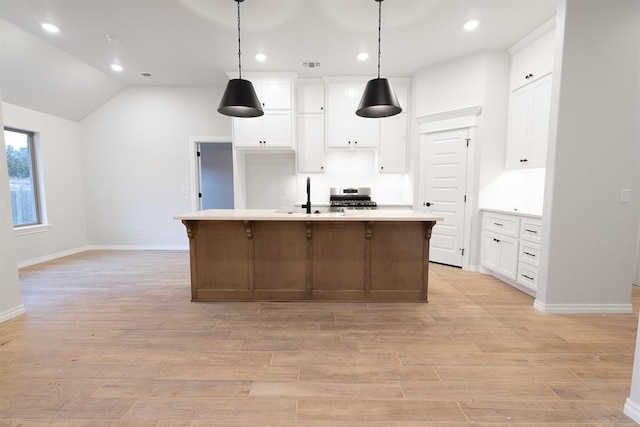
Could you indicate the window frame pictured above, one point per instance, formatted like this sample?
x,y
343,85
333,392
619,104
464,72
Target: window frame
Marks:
x,y
35,178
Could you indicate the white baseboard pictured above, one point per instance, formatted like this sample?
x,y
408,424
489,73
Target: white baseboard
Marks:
x,y
51,257
632,410
583,308
11,313
74,251
473,268
138,247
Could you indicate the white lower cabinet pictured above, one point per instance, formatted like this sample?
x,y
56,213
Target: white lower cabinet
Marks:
x,y
500,253
511,249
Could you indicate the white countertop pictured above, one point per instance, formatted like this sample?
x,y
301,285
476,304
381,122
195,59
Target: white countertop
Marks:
x,y
529,214
274,215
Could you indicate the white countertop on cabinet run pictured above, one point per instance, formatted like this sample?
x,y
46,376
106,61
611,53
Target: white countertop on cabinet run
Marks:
x,y
274,215
512,212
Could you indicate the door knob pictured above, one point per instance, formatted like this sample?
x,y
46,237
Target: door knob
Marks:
x,y
428,204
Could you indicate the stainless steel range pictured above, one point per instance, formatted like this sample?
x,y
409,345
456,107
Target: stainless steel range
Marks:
x,y
351,198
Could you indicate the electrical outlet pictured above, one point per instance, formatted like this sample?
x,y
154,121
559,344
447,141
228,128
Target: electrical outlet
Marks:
x,y
625,195
284,191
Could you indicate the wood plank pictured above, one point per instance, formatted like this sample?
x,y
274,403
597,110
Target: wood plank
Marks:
x,y
280,255
338,256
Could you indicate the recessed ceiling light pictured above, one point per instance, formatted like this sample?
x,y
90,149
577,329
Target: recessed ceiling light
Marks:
x,y
111,39
261,57
117,67
50,28
471,25
363,56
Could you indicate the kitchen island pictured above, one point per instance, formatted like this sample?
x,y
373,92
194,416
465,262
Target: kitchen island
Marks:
x,y
264,255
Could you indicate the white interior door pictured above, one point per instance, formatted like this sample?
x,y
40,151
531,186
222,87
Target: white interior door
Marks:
x,y
444,162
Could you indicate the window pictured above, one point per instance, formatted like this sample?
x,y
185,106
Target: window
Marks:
x,y
23,180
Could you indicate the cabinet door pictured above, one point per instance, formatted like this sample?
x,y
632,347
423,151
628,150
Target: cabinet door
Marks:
x,y
533,62
276,129
539,111
523,64
508,265
518,128
339,111
490,251
274,94
392,156
366,131
311,143
545,53
247,131
311,98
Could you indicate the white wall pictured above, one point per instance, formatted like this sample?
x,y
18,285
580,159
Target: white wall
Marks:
x,y
589,242
58,148
270,180
480,79
10,299
136,161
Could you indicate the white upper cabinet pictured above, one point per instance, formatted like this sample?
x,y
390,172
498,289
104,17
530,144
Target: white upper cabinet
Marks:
x,y
530,99
310,153
392,154
310,98
532,61
528,125
344,128
310,126
273,93
273,130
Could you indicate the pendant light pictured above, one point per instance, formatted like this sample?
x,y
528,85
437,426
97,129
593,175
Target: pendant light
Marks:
x,y
378,99
239,98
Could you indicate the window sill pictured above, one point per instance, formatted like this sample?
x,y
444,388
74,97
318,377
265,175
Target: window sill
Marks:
x,y
31,229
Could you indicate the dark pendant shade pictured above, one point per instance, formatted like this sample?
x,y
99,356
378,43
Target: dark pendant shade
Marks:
x,y
378,100
240,100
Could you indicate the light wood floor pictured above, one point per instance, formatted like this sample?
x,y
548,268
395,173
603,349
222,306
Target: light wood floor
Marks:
x,y
111,338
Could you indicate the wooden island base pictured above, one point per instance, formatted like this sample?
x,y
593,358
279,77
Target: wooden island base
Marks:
x,y
235,260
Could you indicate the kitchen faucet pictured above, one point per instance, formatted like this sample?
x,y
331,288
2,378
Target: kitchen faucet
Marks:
x,y
308,204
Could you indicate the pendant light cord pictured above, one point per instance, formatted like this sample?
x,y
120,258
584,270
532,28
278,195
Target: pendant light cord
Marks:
x,y
379,29
239,51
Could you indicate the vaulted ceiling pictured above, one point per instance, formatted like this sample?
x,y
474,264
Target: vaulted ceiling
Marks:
x,y
194,42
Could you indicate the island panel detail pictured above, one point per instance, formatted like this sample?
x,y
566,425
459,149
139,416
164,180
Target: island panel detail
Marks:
x,y
262,260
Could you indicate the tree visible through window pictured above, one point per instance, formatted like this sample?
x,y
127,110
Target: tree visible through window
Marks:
x,y
22,177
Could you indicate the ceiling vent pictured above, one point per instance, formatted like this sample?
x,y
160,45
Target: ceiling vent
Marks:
x,y
311,64
146,75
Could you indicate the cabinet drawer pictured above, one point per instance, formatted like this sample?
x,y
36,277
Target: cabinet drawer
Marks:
x,y
528,275
530,253
503,224
531,229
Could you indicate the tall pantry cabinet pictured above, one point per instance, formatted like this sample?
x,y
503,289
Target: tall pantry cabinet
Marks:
x,y
530,100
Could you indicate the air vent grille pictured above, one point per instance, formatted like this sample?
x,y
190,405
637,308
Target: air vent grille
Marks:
x,y
311,64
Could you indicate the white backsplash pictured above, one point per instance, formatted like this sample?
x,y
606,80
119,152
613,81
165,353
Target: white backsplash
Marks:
x,y
521,191
272,182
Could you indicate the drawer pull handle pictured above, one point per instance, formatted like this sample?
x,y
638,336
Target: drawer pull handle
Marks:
x,y
527,277
498,224
530,231
529,253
